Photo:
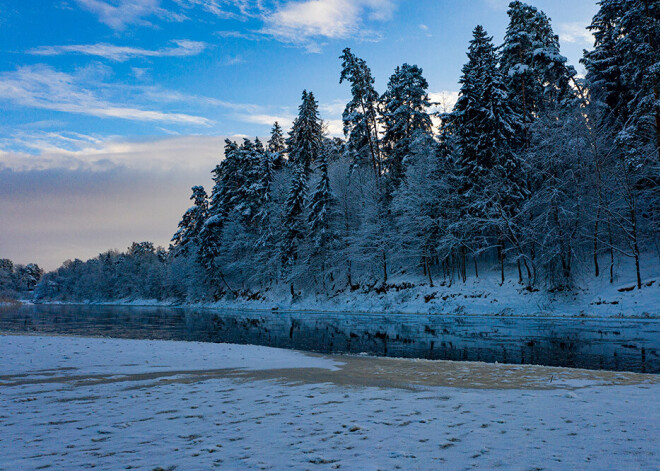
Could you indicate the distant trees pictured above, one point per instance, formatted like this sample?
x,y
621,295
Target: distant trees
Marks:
x,y
534,173
18,281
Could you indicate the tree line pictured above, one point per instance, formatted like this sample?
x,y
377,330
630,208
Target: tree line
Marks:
x,y
536,173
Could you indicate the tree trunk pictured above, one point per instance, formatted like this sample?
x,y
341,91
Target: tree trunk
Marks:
x,y
596,267
500,253
636,247
428,270
611,242
476,267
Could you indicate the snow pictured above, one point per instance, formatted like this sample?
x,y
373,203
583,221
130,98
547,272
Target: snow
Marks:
x,y
477,296
72,403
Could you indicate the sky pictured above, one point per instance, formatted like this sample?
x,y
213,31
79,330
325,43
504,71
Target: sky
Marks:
x,y
112,109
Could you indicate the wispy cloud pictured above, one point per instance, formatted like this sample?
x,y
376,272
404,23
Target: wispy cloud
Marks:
x,y
305,23
121,13
227,9
184,47
73,151
265,119
576,32
40,86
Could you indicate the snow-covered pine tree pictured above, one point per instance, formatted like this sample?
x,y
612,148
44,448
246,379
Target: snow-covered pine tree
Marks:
x,y
623,76
405,106
247,195
220,206
360,116
321,210
294,227
623,70
487,130
535,72
306,135
276,145
191,223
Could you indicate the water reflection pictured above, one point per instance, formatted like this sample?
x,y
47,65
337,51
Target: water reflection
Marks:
x,y
613,344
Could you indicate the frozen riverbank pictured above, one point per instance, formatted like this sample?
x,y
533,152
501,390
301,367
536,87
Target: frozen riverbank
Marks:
x,y
71,402
480,296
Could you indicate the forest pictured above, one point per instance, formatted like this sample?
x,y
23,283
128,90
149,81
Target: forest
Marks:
x,y
536,174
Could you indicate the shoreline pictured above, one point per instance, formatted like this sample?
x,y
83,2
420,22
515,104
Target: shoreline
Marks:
x,y
244,306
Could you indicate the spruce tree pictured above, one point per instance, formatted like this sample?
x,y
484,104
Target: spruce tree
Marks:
x,y
294,228
191,223
535,72
623,70
360,116
220,206
306,136
484,122
487,131
320,212
405,106
276,145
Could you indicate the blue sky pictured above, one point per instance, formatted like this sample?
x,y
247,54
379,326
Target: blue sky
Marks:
x,y
144,91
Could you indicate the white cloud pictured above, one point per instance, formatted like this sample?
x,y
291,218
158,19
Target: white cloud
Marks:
x,y
71,151
120,13
226,9
334,127
443,101
334,109
183,48
266,119
576,33
43,87
303,23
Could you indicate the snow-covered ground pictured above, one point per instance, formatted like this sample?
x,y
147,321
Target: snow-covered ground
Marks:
x,y
406,293
73,403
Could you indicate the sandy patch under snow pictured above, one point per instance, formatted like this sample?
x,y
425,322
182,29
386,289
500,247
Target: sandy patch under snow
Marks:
x,y
68,402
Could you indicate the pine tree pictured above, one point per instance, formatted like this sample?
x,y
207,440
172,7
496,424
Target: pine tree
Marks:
x,y
486,126
535,72
276,145
267,170
623,70
320,212
487,131
405,113
361,113
246,197
306,136
220,206
294,224
191,223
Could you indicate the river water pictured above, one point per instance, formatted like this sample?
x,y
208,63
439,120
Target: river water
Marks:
x,y
620,344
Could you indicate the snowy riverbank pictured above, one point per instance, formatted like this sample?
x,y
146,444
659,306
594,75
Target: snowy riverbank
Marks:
x,y
72,402
483,296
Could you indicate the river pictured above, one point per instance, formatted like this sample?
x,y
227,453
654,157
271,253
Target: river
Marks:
x,y
619,344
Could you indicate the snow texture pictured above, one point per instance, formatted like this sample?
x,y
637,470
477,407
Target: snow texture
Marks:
x,y
72,403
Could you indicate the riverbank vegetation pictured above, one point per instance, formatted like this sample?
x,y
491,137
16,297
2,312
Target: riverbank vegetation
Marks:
x,y
536,177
